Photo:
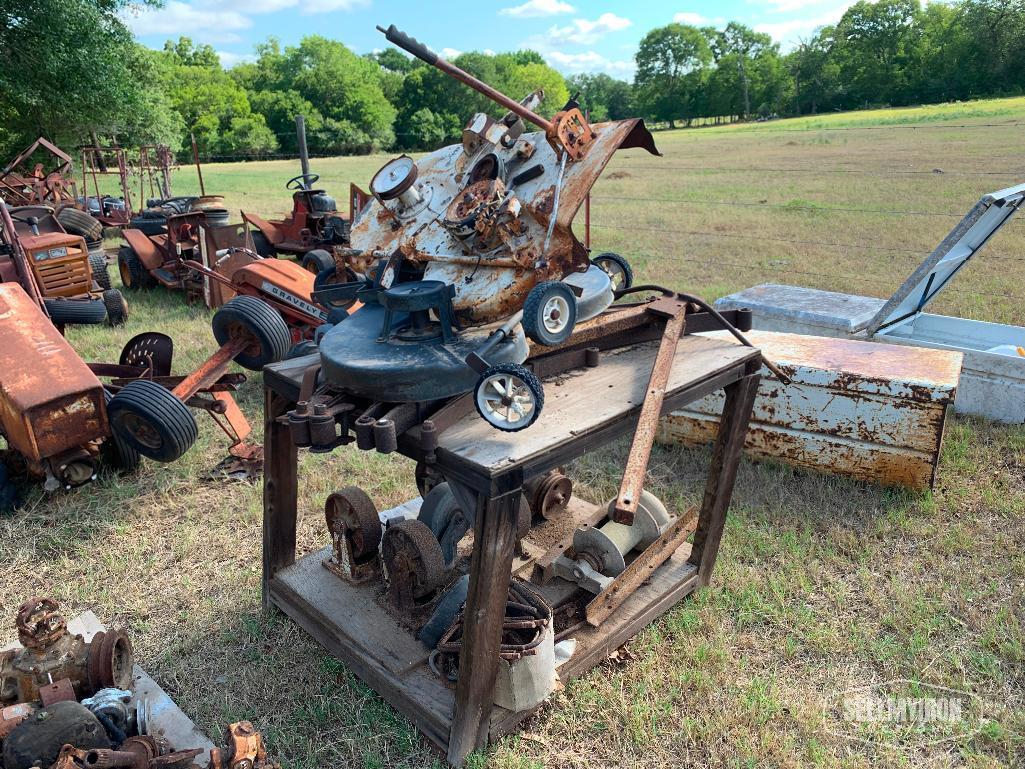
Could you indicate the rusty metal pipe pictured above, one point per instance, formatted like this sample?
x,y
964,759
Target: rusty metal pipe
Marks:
x,y
647,423
422,52
103,758
210,370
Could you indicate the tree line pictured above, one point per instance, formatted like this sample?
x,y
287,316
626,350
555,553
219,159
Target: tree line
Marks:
x,y
71,70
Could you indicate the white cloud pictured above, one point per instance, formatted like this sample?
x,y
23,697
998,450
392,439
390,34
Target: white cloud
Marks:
x,y
205,24
213,21
587,32
535,8
590,61
229,59
450,53
788,31
789,6
697,20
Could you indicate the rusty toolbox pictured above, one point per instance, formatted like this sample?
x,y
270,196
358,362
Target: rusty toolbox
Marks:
x,y
858,409
50,401
993,378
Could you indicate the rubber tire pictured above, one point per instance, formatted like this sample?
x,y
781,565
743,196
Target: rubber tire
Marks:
x,y
263,322
262,246
119,453
624,265
75,311
302,349
528,377
170,419
533,323
317,261
99,269
116,306
80,223
149,223
138,276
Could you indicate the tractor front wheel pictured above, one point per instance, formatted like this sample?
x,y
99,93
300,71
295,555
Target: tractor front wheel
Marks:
x,y
317,260
248,318
98,268
117,307
134,275
75,311
150,419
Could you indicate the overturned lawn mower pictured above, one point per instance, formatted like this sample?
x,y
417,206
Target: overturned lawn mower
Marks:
x,y
59,420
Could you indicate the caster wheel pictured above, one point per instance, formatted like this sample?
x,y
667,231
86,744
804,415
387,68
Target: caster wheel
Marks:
x,y
509,397
550,313
617,268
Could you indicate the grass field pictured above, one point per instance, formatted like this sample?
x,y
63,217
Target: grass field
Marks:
x,y
822,584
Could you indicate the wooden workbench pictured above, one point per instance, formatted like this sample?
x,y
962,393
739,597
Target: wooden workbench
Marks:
x,y
584,410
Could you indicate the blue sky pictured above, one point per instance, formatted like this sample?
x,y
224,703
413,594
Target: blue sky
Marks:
x,y
573,35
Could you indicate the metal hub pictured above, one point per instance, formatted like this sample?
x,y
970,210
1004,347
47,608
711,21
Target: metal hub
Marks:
x,y
506,400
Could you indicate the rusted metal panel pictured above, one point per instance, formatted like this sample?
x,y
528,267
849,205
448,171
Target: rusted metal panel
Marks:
x,y
515,191
145,247
858,409
49,399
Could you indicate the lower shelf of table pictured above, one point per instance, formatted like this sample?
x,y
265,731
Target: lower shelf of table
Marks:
x,y
348,622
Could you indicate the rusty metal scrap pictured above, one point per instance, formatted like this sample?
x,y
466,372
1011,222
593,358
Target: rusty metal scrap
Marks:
x,y
243,750
51,655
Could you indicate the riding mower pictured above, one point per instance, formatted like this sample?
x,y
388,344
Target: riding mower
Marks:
x,y
72,284
313,229
60,420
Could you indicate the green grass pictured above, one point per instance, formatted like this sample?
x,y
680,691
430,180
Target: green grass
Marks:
x,y
822,584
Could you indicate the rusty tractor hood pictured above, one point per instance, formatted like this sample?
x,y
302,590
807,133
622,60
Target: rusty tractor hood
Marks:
x,y
482,210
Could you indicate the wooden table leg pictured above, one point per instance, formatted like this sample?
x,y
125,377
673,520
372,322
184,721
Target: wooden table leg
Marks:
x,y
280,491
494,533
722,474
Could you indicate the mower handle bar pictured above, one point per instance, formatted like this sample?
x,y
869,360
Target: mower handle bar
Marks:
x,y
422,52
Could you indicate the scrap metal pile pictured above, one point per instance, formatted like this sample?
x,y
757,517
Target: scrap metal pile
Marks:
x,y
473,288
68,703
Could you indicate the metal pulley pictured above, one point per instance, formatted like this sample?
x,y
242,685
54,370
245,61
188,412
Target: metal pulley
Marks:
x,y
548,495
355,529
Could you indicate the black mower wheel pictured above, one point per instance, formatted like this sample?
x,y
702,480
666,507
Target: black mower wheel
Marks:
x,y
119,453
134,275
255,320
302,349
152,421
617,268
75,311
509,397
550,313
98,268
262,246
80,223
116,306
317,260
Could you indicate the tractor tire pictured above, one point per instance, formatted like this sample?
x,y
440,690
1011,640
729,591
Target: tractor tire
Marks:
x,y
317,260
75,311
118,452
249,316
550,313
98,267
262,246
80,223
149,222
152,421
116,306
134,275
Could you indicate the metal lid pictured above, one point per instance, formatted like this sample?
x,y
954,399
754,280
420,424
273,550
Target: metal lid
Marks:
x,y
964,241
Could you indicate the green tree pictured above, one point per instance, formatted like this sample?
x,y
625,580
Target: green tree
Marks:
x,y
741,48
603,96
670,67
70,68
